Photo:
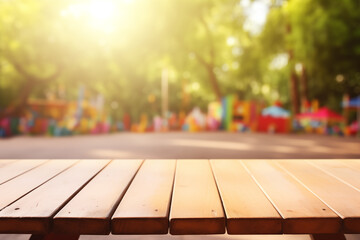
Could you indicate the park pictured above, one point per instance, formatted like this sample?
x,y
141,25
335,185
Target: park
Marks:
x,y
95,67
195,119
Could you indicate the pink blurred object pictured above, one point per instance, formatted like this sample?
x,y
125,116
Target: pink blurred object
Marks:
x,y
323,114
5,124
354,127
157,123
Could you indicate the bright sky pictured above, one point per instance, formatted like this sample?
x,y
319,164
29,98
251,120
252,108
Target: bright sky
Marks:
x,y
101,13
256,13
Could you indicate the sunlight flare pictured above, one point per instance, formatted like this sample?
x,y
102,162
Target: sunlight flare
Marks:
x,y
97,14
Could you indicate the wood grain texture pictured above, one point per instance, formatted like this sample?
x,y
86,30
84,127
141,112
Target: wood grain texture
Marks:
x,y
4,162
312,197
145,206
352,163
196,206
338,169
301,210
343,198
248,211
33,213
21,185
90,210
10,171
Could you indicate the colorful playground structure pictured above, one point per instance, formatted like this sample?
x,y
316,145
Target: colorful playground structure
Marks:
x,y
62,118
58,118
322,121
234,115
274,119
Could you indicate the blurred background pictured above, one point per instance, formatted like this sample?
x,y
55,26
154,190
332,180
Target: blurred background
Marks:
x,y
243,69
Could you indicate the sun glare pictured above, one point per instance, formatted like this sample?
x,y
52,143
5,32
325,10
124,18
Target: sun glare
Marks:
x,y
99,14
101,10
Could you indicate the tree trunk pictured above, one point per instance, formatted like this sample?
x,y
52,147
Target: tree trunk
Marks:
x,y
293,78
294,92
209,65
214,82
17,107
304,84
212,76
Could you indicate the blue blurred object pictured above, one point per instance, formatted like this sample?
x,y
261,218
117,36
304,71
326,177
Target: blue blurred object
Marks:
x,y
275,111
2,133
355,102
185,127
120,126
352,103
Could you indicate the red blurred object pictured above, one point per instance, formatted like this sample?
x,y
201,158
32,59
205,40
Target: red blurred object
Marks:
x,y
127,122
354,128
323,114
273,124
278,103
40,126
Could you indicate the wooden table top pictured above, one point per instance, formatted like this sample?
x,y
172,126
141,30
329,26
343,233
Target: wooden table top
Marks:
x,y
180,196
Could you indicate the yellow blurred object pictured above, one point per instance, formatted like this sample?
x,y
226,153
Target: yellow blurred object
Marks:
x,y
71,123
134,127
143,123
308,129
151,98
234,127
84,125
315,105
320,130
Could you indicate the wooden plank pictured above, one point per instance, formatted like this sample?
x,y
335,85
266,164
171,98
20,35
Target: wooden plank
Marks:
x,y
90,210
4,162
248,211
338,236
54,236
353,163
33,212
18,187
301,210
338,169
196,206
10,171
145,206
343,198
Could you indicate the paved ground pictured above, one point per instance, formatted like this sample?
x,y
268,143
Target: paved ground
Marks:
x,y
182,145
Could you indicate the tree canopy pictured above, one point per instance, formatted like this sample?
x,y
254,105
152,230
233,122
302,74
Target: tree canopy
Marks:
x,y
210,48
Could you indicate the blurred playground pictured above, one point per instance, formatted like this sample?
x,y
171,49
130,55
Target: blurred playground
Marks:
x,y
230,128
239,68
62,118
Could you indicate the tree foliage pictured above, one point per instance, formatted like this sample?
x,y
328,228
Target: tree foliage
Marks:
x,y
47,47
